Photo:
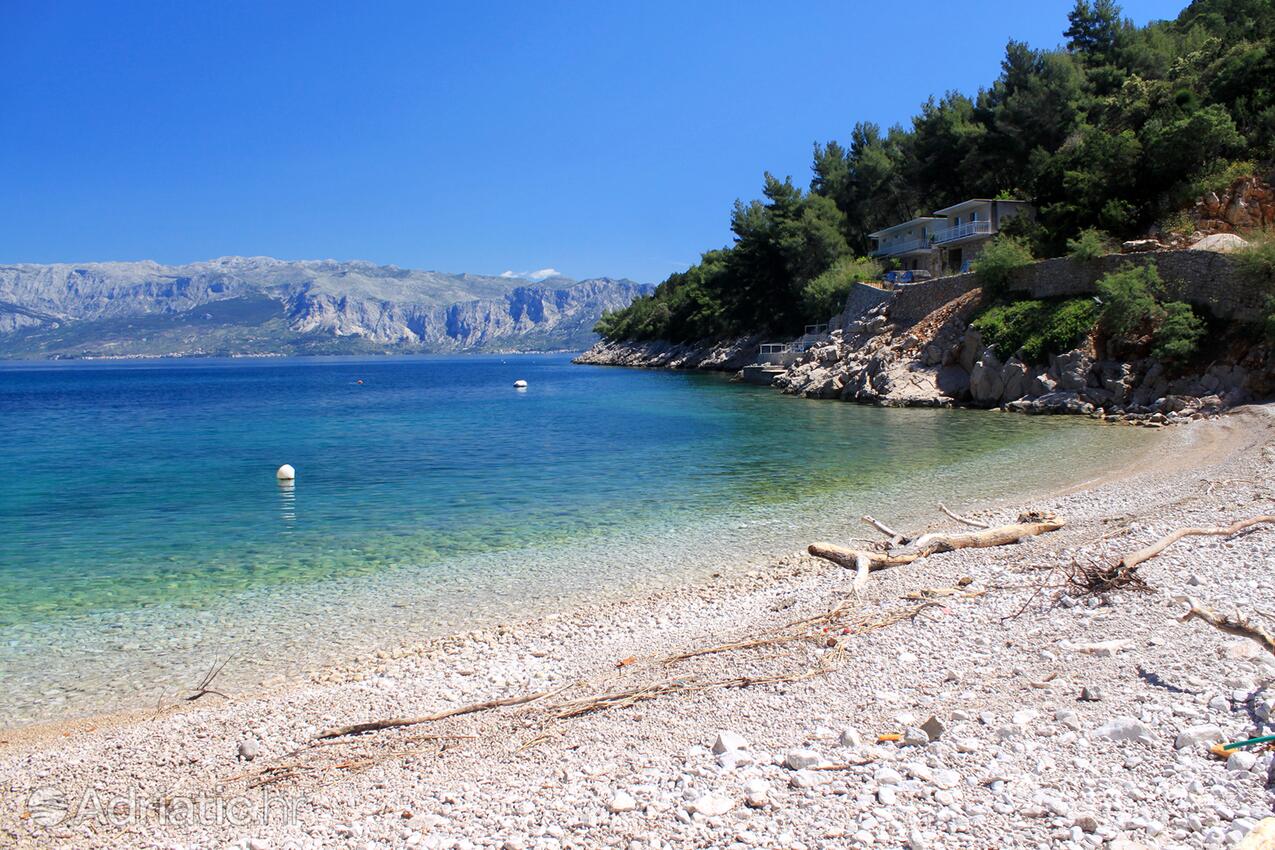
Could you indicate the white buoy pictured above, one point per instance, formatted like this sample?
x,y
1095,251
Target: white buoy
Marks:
x,y
520,384
286,472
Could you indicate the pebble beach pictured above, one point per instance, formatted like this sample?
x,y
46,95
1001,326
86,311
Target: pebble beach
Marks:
x,y
974,698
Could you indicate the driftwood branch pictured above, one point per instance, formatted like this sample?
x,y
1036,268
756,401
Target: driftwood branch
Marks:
x,y
864,561
1234,625
204,688
1133,559
977,523
393,723
896,539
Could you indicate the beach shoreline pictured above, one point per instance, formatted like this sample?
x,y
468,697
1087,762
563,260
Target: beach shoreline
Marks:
x,y
654,751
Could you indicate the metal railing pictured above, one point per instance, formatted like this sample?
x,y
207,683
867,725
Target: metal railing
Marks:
x,y
969,228
900,247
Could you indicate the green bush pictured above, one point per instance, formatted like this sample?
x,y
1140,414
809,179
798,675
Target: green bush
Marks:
x,y
1178,335
826,294
1268,322
1257,259
1090,244
1128,299
995,266
1036,328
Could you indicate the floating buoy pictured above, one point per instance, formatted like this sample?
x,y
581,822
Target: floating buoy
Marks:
x,y
359,381
520,384
286,472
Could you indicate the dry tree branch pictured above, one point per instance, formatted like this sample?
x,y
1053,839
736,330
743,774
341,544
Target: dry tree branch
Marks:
x,y
977,523
394,723
1133,559
1236,624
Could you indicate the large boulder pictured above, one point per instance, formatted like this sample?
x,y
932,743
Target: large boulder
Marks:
x,y
1223,243
986,384
1015,379
970,349
1071,370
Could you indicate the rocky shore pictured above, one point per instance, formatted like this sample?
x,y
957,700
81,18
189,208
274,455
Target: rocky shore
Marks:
x,y
940,361
976,698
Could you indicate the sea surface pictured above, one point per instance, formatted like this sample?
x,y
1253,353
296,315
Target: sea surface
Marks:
x,y
143,533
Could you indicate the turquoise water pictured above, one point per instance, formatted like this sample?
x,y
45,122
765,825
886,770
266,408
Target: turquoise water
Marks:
x,y
145,531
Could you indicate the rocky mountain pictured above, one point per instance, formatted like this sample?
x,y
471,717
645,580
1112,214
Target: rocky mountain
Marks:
x,y
259,305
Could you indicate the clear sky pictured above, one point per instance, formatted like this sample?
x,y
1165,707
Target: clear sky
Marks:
x,y
596,138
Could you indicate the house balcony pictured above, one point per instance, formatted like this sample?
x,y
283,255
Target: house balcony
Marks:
x,y
964,231
895,249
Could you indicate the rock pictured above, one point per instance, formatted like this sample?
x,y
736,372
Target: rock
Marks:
x,y
1240,650
621,802
888,776
1106,648
1071,370
1221,242
849,737
914,737
257,844
711,805
727,741
1090,694
1193,736
756,793
933,728
946,779
1260,837
1139,246
249,749
1241,760
804,779
887,794
801,759
1087,823
1125,729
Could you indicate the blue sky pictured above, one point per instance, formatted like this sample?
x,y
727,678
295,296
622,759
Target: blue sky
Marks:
x,y
592,138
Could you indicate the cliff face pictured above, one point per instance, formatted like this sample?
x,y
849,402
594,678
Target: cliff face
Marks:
x,y
241,305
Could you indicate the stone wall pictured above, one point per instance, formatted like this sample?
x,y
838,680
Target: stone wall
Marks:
x,y
1203,278
860,300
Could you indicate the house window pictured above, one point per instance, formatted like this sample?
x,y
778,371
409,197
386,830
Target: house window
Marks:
x,y
974,216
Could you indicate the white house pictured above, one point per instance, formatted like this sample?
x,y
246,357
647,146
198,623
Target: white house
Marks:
x,y
948,240
970,225
911,243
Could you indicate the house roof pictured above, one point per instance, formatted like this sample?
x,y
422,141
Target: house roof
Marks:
x,y
973,202
925,219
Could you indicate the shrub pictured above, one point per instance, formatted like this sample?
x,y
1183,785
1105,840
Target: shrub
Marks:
x,y
1036,328
1179,333
826,294
995,266
1089,244
1257,259
1268,321
1128,298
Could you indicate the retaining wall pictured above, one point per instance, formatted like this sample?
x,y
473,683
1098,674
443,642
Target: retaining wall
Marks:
x,y
1203,278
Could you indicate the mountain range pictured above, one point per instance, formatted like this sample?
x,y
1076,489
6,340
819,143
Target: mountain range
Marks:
x,y
260,305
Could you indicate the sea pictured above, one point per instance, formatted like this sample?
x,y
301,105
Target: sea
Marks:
x,y
144,535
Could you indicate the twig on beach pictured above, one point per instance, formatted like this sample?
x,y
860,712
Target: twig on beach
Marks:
x,y
1237,624
896,539
977,523
204,688
397,722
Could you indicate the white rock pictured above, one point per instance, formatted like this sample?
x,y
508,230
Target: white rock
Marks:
x,y
621,802
1241,760
756,793
888,776
946,779
1104,649
801,759
711,805
1240,650
850,737
1125,729
727,741
887,794
1193,736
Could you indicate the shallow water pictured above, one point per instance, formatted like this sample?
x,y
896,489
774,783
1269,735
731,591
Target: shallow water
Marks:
x,y
144,531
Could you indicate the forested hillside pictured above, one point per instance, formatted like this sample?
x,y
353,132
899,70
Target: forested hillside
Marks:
x,y
1118,129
